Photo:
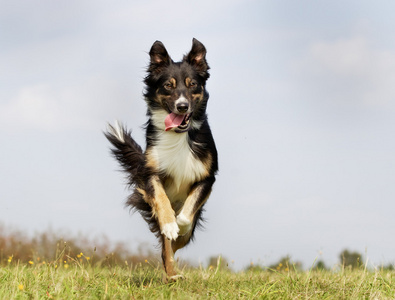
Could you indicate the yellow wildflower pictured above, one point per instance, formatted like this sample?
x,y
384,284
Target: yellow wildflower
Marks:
x,y
66,266
30,262
87,257
20,287
10,258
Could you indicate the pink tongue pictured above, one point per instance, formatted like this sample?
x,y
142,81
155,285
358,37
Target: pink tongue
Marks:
x,y
173,120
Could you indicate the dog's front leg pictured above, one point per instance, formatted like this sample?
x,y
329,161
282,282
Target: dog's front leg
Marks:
x,y
162,209
195,200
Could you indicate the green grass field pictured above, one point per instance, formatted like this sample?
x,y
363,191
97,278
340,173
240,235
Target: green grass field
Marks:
x,y
47,267
77,280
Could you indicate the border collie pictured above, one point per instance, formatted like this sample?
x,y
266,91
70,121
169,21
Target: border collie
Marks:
x,y
173,178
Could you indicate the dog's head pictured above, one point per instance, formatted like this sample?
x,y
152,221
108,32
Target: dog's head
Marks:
x,y
175,91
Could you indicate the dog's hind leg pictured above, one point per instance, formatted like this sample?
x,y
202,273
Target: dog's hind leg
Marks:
x,y
169,248
168,260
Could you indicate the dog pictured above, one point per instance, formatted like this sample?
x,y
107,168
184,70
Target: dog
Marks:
x,y
173,177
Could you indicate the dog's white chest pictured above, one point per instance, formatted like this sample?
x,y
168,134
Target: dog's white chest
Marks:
x,y
175,158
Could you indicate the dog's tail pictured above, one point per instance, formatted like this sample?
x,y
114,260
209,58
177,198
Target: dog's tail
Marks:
x,y
128,153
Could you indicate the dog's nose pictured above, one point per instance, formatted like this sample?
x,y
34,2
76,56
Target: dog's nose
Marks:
x,y
182,107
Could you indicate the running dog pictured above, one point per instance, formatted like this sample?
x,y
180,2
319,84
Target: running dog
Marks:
x,y
173,178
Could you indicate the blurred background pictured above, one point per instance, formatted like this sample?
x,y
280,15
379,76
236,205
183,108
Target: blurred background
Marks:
x,y
302,107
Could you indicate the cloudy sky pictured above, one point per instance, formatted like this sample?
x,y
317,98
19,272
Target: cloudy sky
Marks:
x,y
302,107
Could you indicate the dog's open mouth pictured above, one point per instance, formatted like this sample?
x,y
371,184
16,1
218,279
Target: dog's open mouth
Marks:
x,y
180,121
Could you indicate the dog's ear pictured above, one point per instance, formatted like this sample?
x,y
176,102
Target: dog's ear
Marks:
x,y
197,58
159,57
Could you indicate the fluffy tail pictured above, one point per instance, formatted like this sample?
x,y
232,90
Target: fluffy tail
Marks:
x,y
128,153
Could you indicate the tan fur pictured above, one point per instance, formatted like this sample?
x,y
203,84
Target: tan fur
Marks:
x,y
173,82
151,161
207,162
161,98
161,204
168,258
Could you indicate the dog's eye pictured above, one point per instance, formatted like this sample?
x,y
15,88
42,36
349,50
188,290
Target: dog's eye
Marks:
x,y
168,85
193,84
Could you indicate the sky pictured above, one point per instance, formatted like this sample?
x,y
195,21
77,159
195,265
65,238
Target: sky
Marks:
x,y
302,109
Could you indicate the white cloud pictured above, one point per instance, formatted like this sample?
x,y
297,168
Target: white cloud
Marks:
x,y
31,106
351,70
188,14
343,57
88,105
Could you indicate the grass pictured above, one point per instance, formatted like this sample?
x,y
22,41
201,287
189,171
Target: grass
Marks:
x,y
47,266
76,280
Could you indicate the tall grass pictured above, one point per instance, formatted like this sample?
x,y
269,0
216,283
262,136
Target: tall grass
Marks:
x,y
24,281
48,267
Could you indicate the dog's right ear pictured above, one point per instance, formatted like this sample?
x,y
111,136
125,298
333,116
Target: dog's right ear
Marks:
x,y
159,57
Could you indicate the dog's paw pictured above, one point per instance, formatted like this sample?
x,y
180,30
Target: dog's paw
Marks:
x,y
170,230
184,224
174,278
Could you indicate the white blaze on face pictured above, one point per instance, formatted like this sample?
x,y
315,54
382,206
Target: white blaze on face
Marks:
x,y
181,99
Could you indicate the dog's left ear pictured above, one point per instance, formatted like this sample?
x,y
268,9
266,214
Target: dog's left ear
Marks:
x,y
197,58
